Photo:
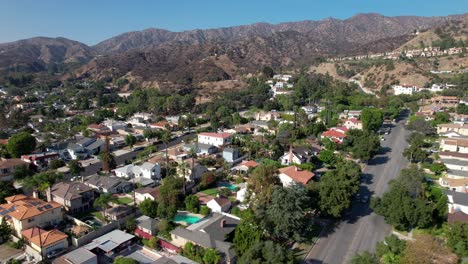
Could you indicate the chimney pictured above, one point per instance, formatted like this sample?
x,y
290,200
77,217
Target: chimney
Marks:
x,y
452,210
82,179
35,194
290,154
222,223
49,194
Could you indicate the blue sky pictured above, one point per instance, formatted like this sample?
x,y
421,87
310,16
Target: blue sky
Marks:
x,y
91,21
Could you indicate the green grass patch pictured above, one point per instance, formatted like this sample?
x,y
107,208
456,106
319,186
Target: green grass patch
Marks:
x,y
125,200
99,216
213,191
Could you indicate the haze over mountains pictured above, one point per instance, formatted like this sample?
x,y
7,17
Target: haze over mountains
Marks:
x,y
216,54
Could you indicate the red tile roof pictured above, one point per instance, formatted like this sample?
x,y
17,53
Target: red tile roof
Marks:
x,y
217,135
333,133
10,163
298,175
46,237
249,163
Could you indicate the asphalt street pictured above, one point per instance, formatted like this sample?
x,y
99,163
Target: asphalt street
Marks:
x,y
361,229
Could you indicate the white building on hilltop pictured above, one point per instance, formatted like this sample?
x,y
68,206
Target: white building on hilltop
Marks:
x,y
405,89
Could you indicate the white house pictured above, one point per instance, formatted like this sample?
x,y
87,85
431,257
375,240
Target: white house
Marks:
x,y
219,204
352,123
241,194
405,89
215,139
454,145
114,125
145,170
457,201
293,175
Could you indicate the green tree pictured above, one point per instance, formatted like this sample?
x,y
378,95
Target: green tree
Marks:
x,y
55,164
130,224
247,232
261,185
153,242
75,167
6,189
108,160
458,238
391,249
205,210
20,144
104,200
365,258
124,260
285,216
372,119
404,205
211,256
22,171
192,204
267,252
441,118
149,208
5,231
267,72
418,124
130,140
362,144
327,156
42,181
336,187
170,196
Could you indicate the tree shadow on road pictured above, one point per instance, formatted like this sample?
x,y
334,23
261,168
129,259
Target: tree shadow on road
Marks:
x,y
379,160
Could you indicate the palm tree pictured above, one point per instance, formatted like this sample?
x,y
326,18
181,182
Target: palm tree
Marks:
x,y
183,166
103,202
166,137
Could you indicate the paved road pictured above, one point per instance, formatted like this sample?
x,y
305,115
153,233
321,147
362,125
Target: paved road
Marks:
x,y
362,229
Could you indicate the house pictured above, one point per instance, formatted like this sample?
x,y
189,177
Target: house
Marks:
x,y
230,154
77,256
201,148
164,125
76,152
146,227
404,89
193,170
146,170
108,184
8,167
75,197
95,147
210,233
337,135
41,161
144,193
219,204
244,166
293,175
350,114
458,185
98,128
45,242
352,123
461,129
454,145
241,194
215,139
179,154
457,206
119,212
113,125
111,243
267,116
23,212
298,155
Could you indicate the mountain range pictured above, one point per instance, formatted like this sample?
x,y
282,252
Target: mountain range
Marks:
x,y
157,57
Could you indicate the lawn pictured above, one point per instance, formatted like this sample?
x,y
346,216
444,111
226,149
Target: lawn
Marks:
x,y
99,216
212,192
125,200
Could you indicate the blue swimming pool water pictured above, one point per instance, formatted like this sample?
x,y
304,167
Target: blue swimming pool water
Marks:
x,y
189,219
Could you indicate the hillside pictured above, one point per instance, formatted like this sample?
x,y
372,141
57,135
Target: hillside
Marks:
x,y
161,58
33,55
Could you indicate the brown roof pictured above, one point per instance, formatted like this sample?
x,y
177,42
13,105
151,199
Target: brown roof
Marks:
x,y
453,125
79,229
456,142
203,198
43,238
299,176
11,163
249,163
27,207
216,135
457,217
455,182
222,201
453,154
70,191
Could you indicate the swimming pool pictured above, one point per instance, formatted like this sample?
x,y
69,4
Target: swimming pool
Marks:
x,y
189,219
92,221
228,185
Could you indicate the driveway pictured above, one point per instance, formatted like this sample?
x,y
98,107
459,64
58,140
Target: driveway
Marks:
x,y
362,229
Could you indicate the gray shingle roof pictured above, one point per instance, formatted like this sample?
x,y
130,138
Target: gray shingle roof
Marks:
x,y
458,197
